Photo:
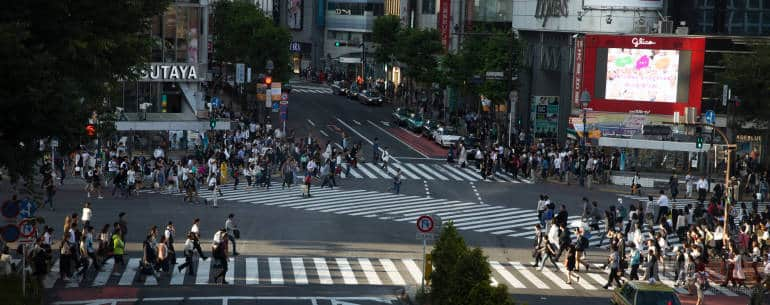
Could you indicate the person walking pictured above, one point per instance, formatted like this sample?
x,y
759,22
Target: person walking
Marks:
x,y
570,263
170,234
537,251
397,181
118,249
189,246
86,214
196,237
163,255
385,158
232,231
614,264
549,251
50,190
663,206
635,260
219,252
581,246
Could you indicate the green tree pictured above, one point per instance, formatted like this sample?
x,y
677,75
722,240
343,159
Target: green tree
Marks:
x,y
461,275
243,34
385,34
61,60
418,50
748,75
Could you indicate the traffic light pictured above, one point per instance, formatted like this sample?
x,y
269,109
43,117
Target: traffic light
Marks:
x,y
699,142
213,122
340,44
90,130
164,103
268,80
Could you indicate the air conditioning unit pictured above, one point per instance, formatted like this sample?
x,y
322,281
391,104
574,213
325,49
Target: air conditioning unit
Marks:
x,y
665,27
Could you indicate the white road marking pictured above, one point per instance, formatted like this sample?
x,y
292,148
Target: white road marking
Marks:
x,y
202,274
528,275
506,275
300,276
177,277
230,275
585,284
397,139
53,275
417,171
252,271
392,272
130,272
103,276
432,172
276,273
414,271
323,133
555,279
368,269
386,123
363,137
347,272
357,122
310,122
324,276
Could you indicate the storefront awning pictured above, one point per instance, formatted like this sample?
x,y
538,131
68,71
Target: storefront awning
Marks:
x,y
651,144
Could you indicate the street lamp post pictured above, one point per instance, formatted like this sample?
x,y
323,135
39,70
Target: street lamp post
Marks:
x,y
585,99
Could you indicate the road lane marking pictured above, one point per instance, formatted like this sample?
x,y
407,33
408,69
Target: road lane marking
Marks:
x,y
276,273
414,271
397,138
357,122
310,122
323,133
392,272
368,269
366,172
53,275
202,274
103,276
506,275
376,168
324,276
300,276
528,275
363,137
230,274
458,172
585,284
347,272
432,172
177,276
386,123
555,278
417,171
129,272
252,271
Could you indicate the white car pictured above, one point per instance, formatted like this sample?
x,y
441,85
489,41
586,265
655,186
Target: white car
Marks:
x,y
445,137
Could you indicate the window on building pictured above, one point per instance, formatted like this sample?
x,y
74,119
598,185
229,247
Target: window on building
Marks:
x,y
428,6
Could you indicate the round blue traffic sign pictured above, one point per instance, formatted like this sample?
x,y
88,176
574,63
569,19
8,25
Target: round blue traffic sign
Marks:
x,y
10,208
27,208
10,233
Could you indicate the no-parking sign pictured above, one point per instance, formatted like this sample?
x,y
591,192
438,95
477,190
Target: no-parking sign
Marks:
x,y
425,224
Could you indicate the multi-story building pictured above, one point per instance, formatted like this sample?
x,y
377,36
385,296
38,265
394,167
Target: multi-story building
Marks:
x,y
166,102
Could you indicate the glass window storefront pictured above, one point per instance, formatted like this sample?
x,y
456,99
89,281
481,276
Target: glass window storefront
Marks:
x,y
153,93
492,10
356,9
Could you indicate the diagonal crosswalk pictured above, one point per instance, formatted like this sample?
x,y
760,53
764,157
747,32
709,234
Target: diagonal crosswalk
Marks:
x,y
427,171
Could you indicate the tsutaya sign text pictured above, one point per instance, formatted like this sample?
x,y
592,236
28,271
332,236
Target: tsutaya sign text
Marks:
x,y
640,41
160,72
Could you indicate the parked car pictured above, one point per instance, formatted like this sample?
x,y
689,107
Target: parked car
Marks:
x,y
370,97
353,92
339,88
446,136
400,115
429,127
644,293
415,122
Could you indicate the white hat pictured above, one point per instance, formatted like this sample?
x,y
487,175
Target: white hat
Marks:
x,y
620,200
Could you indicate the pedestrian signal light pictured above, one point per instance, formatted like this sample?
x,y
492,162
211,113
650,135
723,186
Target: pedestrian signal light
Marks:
x,y
90,130
359,80
213,122
337,44
699,142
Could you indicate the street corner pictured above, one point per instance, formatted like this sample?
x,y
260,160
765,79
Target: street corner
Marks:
x,y
417,142
78,294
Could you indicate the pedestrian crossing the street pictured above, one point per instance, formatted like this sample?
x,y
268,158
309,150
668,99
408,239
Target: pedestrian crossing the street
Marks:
x,y
682,202
301,271
426,171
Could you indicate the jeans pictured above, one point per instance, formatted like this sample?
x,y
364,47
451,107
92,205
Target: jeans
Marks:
x,y
397,187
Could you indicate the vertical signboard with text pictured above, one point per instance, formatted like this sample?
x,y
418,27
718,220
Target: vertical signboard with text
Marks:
x,y
577,79
444,21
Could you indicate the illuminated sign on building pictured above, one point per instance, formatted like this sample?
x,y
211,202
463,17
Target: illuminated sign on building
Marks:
x,y
160,72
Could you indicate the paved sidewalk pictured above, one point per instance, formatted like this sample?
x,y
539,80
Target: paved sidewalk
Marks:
x,y
715,300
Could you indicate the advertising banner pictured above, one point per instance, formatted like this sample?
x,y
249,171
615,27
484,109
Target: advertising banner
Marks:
x,y
577,80
626,4
444,21
294,14
545,116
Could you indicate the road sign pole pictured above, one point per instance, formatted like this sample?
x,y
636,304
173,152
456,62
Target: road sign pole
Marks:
x,y
24,271
424,245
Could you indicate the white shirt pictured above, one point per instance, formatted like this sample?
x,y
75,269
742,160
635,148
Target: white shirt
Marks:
x,y
229,225
553,234
195,230
702,184
663,201
86,215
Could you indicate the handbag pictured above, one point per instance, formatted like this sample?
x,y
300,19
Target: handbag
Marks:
x,y
237,233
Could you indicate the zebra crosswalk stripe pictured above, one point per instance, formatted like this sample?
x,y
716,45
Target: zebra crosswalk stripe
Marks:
x,y
414,271
368,269
507,276
320,205
408,172
177,276
52,276
488,218
230,274
252,271
381,206
377,170
103,276
585,284
392,272
202,274
457,171
276,273
348,276
417,171
129,272
324,276
528,275
555,279
298,266
446,205
365,171
430,171
448,173
355,174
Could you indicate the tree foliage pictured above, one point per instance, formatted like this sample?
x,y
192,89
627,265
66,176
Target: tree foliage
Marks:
x,y
419,49
483,52
385,33
60,60
461,275
749,77
243,34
